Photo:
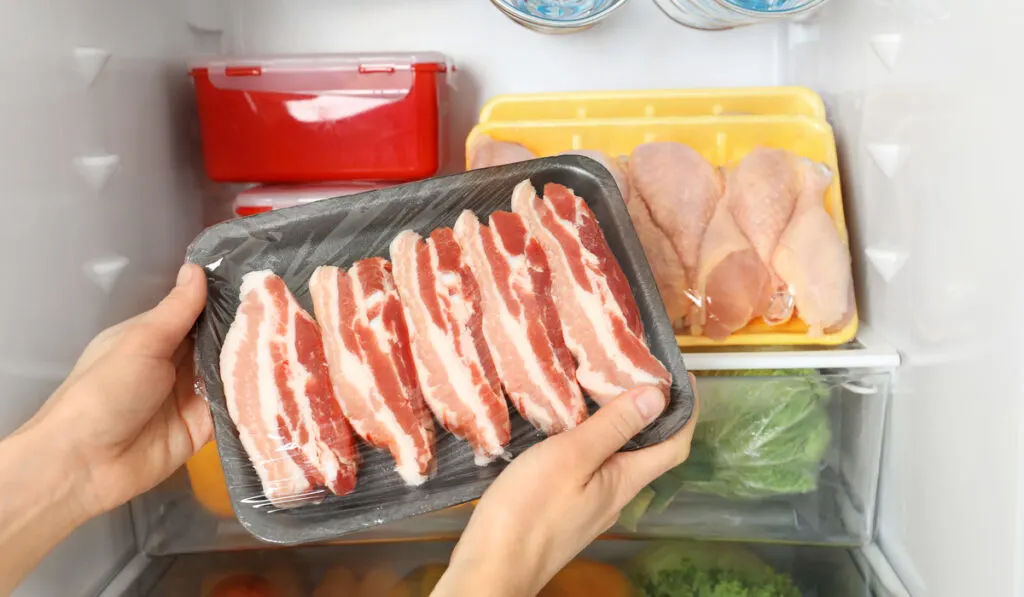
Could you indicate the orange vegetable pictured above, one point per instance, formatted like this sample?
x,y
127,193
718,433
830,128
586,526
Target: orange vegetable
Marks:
x,y
587,578
208,484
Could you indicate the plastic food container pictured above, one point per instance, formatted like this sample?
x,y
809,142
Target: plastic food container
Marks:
x,y
655,103
263,198
325,117
725,14
557,16
722,141
341,231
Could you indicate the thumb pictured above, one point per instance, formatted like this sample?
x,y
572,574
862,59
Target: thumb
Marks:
x,y
615,423
158,332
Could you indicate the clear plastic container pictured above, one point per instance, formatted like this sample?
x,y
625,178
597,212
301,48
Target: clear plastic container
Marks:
x,y
557,16
725,14
323,117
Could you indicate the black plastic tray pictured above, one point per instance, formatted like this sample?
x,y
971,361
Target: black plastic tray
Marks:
x,y
293,242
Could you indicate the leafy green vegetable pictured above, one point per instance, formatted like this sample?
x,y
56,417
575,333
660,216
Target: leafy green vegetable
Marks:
x,y
761,436
691,569
755,438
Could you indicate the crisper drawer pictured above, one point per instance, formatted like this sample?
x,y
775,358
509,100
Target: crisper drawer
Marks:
x,y
606,569
780,455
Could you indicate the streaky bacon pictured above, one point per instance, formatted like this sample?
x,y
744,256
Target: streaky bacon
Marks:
x,y
442,308
368,354
279,395
600,320
520,321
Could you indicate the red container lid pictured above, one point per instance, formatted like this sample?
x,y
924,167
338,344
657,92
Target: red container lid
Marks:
x,y
349,74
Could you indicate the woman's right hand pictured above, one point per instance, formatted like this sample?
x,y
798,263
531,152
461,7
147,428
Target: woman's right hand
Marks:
x,y
558,496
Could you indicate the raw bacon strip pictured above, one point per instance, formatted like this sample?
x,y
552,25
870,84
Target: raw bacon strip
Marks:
x,y
279,395
441,303
367,345
600,319
520,321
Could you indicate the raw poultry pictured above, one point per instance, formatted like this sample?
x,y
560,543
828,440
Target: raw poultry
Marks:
x,y
681,190
813,260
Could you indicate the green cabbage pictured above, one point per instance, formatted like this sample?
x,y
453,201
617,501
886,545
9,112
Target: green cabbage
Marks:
x,y
693,569
760,434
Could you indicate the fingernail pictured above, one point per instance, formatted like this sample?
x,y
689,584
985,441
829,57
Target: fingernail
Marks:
x,y
649,403
184,275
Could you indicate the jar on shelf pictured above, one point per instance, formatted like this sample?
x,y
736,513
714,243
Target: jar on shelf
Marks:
x,y
726,14
558,16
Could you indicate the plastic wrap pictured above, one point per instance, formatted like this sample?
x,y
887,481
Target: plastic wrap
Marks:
x,y
740,217
294,242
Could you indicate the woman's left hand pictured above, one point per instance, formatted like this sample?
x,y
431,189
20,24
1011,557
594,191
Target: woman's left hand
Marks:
x,y
128,415
125,418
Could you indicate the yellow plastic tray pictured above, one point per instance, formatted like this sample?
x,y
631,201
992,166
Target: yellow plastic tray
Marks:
x,y
656,103
722,141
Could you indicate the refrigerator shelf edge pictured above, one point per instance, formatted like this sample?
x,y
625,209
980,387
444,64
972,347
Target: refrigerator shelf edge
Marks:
x,y
868,351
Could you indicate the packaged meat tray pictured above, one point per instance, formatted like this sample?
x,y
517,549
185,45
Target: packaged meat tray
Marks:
x,y
323,117
807,248
392,398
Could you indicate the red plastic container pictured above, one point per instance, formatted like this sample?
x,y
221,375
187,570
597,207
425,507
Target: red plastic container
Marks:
x,y
325,117
263,198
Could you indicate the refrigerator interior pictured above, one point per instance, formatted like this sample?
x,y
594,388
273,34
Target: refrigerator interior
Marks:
x,y
816,572
746,485
100,154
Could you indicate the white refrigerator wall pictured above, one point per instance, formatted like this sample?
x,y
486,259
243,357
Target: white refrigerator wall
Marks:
x,y
98,205
98,154
917,91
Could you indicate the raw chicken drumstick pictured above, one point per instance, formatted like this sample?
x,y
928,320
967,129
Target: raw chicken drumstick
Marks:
x,y
680,189
813,260
732,279
762,192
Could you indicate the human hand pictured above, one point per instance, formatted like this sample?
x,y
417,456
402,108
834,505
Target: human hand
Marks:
x,y
127,416
558,496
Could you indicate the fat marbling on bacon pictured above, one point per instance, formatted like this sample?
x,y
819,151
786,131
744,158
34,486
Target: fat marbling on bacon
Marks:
x,y
279,395
442,307
367,347
599,316
520,321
